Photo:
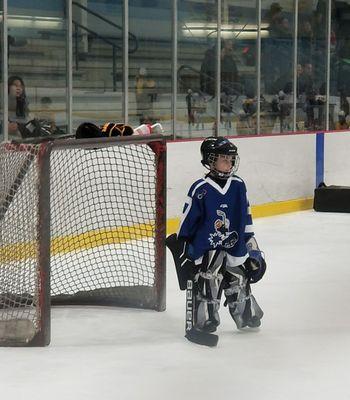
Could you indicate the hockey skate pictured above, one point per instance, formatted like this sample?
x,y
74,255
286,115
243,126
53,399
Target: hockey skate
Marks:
x,y
210,326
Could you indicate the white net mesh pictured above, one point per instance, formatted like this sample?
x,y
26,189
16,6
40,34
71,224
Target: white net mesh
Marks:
x,y
103,231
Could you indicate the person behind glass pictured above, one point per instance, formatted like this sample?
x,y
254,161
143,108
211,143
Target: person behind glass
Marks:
x,y
218,230
207,72
343,121
146,94
277,54
18,112
310,97
305,39
229,71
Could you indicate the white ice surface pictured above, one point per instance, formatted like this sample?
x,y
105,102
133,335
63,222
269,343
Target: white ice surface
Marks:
x,y
302,350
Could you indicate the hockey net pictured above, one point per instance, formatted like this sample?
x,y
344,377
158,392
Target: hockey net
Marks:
x,y
81,222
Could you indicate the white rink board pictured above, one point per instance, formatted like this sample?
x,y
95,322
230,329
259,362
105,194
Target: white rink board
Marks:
x,y
337,158
275,168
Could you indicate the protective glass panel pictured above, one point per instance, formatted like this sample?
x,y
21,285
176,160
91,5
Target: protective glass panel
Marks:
x,y
150,62
238,68
37,82
339,102
1,70
97,61
311,66
277,45
197,53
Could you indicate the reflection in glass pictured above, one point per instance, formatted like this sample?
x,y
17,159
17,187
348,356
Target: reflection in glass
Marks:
x,y
37,49
150,83
1,70
340,66
197,52
36,67
277,66
97,61
238,68
311,66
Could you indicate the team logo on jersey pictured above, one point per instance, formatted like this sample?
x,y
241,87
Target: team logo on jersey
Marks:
x,y
222,236
201,194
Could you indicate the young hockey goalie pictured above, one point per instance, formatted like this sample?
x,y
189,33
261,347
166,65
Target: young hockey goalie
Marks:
x,y
215,250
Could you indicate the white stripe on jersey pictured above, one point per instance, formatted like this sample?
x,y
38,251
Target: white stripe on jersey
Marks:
x,y
227,184
199,185
249,229
189,202
233,261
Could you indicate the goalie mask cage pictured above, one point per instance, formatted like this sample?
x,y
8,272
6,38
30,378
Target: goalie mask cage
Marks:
x,y
82,222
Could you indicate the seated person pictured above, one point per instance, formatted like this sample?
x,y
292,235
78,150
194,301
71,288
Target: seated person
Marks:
x,y
18,111
343,121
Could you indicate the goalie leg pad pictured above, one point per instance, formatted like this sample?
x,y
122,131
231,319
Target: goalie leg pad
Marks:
x,y
208,296
243,306
252,313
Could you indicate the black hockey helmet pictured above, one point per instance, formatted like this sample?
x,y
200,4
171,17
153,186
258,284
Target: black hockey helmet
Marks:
x,y
212,147
87,130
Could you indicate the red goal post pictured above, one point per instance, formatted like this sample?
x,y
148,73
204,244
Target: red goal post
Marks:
x,y
81,222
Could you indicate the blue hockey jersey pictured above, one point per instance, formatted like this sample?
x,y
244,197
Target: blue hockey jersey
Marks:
x,y
217,218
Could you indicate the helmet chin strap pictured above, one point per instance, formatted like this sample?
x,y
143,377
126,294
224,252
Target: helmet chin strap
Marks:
x,y
221,175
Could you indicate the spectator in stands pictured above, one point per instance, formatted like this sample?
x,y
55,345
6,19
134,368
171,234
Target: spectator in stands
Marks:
x,y
229,72
274,16
18,111
207,73
306,80
277,56
343,121
312,97
230,85
305,40
145,90
343,79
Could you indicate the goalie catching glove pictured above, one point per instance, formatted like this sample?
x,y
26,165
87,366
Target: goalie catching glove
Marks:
x,y
255,264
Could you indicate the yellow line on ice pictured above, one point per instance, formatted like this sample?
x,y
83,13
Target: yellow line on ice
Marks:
x,y
262,210
83,241
117,235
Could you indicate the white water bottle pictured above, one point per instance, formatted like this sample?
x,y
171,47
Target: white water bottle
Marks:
x,y
144,129
147,129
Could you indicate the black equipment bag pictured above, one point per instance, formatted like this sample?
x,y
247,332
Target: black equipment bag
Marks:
x,y
332,198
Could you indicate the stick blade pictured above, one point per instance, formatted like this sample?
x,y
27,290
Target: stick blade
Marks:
x,y
202,338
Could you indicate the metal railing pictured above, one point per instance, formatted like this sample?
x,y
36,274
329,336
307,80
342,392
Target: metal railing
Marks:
x,y
107,40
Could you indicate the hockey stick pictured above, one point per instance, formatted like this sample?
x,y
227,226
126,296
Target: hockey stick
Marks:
x,y
191,333
184,270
